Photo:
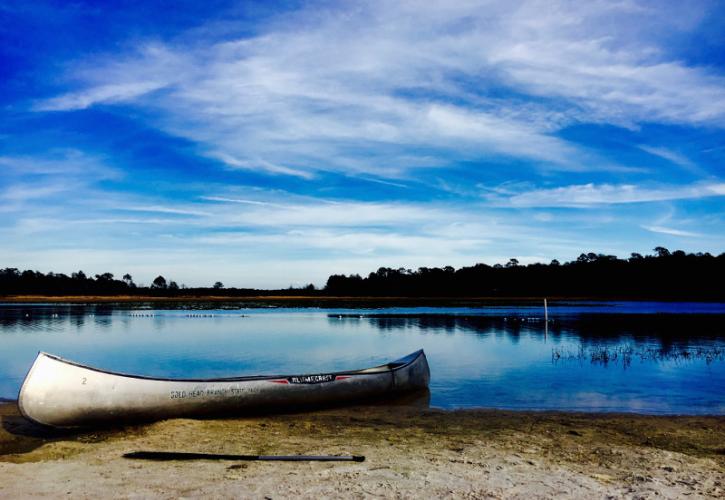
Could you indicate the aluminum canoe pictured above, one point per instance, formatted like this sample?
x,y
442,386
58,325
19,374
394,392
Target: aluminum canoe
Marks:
x,y
60,393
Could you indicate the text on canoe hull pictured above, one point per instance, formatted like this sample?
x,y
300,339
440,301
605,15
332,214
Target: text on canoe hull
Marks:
x,y
239,391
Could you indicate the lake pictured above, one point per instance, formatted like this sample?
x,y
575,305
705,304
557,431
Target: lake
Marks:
x,y
647,357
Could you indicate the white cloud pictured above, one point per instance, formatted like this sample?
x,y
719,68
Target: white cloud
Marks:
x,y
591,194
341,214
98,95
164,210
63,164
42,179
674,157
149,68
239,200
258,164
28,192
352,242
670,231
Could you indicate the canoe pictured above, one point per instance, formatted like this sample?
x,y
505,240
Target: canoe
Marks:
x,y
60,393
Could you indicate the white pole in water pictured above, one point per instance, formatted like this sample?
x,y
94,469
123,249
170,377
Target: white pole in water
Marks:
x,y
546,320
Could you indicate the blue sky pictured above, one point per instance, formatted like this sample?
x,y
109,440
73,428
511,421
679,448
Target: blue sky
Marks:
x,y
273,144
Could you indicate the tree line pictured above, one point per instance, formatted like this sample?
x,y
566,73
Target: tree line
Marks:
x,y
16,282
664,274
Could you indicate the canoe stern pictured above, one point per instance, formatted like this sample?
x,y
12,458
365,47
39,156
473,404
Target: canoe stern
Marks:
x,y
31,398
414,374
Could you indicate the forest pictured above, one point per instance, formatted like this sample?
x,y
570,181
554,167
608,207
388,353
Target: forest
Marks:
x,y
662,275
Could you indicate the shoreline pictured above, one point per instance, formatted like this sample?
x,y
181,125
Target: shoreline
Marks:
x,y
410,452
414,403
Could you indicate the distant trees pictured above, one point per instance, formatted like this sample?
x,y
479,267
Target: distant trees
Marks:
x,y
159,283
665,274
13,281
128,279
662,275
16,282
662,252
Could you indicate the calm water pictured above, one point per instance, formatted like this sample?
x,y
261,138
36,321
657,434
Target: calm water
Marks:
x,y
640,357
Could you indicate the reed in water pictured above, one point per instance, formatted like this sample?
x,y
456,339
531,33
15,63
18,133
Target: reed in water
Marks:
x,y
625,354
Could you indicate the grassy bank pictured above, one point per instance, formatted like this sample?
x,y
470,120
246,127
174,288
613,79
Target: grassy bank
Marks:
x,y
302,301
276,301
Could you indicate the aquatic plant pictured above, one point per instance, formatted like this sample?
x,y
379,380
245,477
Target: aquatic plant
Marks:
x,y
624,354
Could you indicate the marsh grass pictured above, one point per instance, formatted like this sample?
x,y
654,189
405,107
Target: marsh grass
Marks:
x,y
625,354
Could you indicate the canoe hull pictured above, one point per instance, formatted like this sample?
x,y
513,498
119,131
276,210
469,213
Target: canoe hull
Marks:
x,y
60,393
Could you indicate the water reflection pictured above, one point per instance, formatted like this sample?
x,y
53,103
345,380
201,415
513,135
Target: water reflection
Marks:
x,y
670,331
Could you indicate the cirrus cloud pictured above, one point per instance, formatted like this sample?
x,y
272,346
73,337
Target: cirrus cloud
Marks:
x,y
606,194
470,81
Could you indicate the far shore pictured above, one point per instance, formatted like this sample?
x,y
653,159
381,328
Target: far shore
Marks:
x,y
319,300
411,452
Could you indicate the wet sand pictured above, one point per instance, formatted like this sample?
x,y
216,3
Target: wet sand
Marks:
x,y
410,452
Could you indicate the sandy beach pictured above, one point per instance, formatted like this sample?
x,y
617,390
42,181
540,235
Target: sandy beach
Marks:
x,y
410,452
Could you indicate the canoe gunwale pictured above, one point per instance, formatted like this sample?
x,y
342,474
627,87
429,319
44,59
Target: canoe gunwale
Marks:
x,y
391,367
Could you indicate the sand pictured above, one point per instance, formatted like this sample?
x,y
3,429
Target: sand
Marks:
x,y
410,453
